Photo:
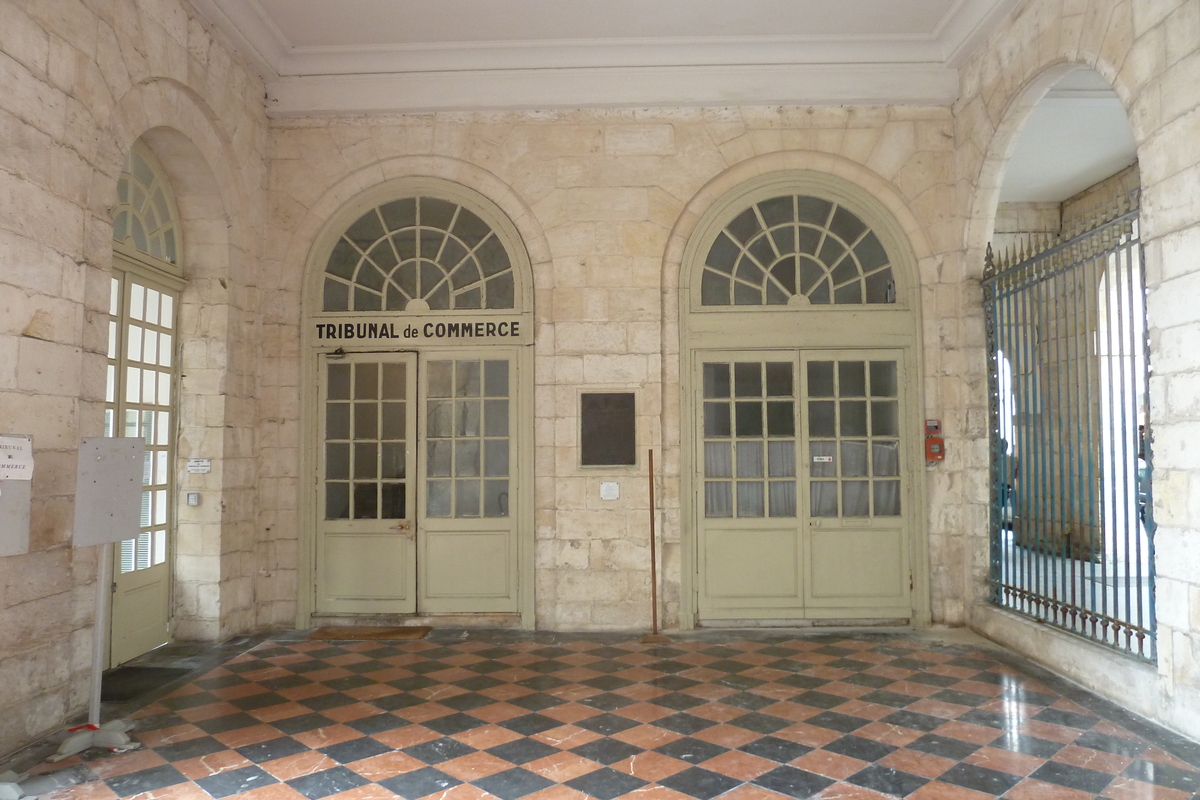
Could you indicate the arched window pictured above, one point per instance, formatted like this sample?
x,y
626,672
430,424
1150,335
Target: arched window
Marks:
x,y
145,215
418,253
796,250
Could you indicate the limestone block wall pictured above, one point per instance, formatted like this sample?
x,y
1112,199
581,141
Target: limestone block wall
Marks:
x,y
1150,52
605,200
83,79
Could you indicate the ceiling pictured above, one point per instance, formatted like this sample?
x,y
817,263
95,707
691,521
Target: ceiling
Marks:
x,y
397,56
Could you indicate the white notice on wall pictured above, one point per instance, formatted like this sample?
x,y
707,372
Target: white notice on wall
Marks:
x,y
16,458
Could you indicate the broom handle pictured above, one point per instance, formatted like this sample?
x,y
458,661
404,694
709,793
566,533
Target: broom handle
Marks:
x,y
653,553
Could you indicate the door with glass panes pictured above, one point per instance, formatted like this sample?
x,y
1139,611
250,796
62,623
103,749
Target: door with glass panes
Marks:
x,y
415,475
801,502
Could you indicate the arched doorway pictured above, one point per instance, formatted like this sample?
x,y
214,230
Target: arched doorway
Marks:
x,y
417,340
141,394
800,382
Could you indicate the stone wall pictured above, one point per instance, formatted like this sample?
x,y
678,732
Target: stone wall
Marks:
x,y
1150,52
82,81
605,201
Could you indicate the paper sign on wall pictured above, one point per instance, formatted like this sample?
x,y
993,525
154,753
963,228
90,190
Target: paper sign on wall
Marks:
x,y
16,458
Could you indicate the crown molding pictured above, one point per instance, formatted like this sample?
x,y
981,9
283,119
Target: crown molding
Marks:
x,y
821,84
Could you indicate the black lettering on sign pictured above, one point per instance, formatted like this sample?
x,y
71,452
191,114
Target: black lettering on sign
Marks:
x,y
430,330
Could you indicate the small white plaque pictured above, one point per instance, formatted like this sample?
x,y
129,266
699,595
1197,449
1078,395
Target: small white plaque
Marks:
x,y
16,458
822,459
610,490
199,466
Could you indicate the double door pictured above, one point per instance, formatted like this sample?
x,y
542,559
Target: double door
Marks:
x,y
416,484
801,506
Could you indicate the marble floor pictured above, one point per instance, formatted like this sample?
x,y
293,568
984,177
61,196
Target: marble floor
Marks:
x,y
735,715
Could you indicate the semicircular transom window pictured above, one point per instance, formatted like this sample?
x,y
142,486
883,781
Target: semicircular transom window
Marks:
x,y
145,212
419,253
796,250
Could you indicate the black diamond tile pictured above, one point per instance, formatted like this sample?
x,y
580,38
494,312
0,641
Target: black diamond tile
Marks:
x,y
546,667
747,700
1028,745
220,682
693,751
776,749
286,682
606,751
522,751
779,651
989,719
395,702
495,652
155,722
720,651
608,652
229,722
888,781
513,783
466,701
860,748
678,701
377,723
1087,780
552,651
355,749
301,723
349,682
668,666
893,699
867,679
261,700
542,683
605,783
236,781
849,664
684,723
607,724
819,700
438,750
834,650
971,663
324,702
664,652
412,683
425,667
607,701
672,683
805,681
1111,744
453,723
993,678
981,779
960,698
728,666
607,665
327,782
538,701
366,667
793,782
699,783
1068,718
913,664
1163,775
419,783
190,701
606,682
190,748
913,720
479,683
1022,695
740,682
943,746
529,724
487,667
760,723
837,722
932,679
272,749
301,667
145,780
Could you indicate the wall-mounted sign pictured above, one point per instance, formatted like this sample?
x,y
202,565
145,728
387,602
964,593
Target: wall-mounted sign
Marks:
x,y
607,429
417,330
16,458
199,466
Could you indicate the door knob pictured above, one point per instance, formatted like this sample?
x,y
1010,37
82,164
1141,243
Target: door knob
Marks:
x,y
403,526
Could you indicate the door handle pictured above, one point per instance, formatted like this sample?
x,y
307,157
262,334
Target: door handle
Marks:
x,y
403,526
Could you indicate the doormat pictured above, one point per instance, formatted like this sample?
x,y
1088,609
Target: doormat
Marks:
x,y
129,683
402,633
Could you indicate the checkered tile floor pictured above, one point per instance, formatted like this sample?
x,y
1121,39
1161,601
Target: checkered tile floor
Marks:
x,y
553,716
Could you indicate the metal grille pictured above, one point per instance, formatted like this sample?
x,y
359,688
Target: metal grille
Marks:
x,y
1072,530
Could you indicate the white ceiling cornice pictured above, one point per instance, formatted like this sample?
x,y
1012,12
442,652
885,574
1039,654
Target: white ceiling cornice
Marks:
x,y
843,67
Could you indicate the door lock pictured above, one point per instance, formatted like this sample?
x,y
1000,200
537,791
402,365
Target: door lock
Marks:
x,y
403,526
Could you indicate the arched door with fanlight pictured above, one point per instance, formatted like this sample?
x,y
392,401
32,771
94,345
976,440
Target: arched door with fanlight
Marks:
x,y
418,342
801,432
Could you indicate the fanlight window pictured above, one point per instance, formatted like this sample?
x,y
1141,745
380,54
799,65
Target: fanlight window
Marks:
x,y
796,250
418,253
145,214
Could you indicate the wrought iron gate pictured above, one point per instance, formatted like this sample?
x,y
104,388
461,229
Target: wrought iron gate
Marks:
x,y
1072,531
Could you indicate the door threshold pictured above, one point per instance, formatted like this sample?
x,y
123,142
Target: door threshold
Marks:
x,y
886,622
454,620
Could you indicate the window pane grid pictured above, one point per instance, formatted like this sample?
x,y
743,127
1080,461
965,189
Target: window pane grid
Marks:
x,y
749,439
140,359
467,441
853,447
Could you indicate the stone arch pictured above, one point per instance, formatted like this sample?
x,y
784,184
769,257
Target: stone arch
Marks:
x,y
212,592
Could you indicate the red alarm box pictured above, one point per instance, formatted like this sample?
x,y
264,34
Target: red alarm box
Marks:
x,y
935,447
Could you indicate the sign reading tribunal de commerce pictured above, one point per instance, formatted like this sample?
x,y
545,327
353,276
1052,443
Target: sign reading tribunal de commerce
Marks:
x,y
504,329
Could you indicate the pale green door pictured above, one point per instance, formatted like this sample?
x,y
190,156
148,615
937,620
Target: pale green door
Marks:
x,y
366,543
801,511
416,509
